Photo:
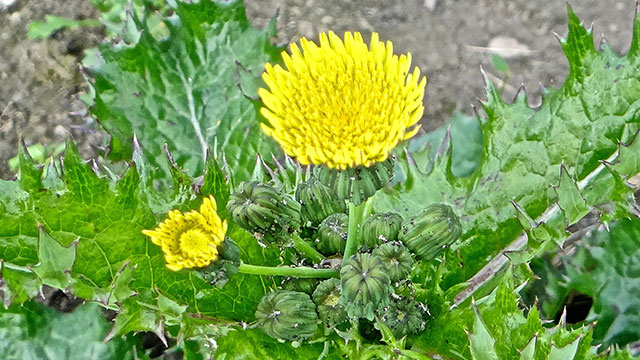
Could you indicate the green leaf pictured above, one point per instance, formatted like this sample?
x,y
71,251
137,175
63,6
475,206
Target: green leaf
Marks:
x,y
188,90
606,268
481,341
499,329
18,284
55,261
114,262
578,125
500,64
570,200
466,139
52,23
566,352
628,163
234,345
33,331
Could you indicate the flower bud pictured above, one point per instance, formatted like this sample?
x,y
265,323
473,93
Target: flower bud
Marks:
x,y
428,233
327,297
300,284
357,183
403,317
332,234
365,285
396,258
318,201
287,315
379,228
259,207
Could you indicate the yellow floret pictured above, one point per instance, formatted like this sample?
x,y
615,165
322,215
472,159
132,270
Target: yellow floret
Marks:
x,y
191,239
342,103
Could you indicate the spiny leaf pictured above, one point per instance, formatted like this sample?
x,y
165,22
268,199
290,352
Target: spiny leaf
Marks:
x,y
33,331
481,341
188,90
499,329
569,199
606,268
628,163
114,262
523,150
55,261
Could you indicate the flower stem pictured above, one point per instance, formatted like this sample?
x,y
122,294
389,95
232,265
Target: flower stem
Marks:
x,y
299,272
353,231
306,249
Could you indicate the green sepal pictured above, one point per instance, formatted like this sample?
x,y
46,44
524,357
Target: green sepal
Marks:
x,y
397,258
317,201
403,316
365,286
332,234
259,207
287,315
431,231
305,285
327,297
358,183
380,228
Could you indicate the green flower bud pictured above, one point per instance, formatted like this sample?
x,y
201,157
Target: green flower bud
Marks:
x,y
318,201
259,207
403,317
431,231
332,234
379,228
365,285
396,258
327,297
300,284
357,183
287,315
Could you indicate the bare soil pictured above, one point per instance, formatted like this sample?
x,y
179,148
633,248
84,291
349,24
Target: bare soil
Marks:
x,y
449,40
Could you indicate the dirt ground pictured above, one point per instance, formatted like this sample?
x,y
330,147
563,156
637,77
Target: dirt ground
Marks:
x,y
449,41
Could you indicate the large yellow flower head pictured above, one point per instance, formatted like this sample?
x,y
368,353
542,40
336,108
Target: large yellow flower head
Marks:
x,y
342,103
190,239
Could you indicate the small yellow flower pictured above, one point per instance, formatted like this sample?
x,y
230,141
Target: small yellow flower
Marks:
x,y
191,239
342,104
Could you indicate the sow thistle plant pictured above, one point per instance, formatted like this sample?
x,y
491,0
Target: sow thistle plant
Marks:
x,y
258,202
342,106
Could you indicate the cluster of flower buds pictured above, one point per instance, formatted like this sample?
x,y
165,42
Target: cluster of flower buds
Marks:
x,y
374,283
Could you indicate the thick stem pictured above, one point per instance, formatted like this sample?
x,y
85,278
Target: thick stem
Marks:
x,y
299,272
306,249
353,231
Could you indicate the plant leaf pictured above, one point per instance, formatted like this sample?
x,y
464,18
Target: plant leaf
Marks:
x,y
607,269
33,331
523,150
185,90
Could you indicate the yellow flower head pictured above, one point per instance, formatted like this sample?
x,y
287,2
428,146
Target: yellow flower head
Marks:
x,y
191,239
342,103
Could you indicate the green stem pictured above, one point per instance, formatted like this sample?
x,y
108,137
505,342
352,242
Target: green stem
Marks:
x,y
306,249
353,231
299,272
